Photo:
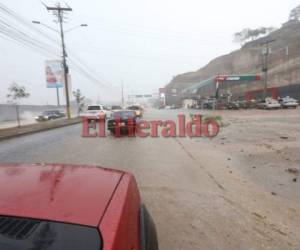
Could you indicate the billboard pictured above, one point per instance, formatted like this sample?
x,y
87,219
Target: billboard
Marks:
x,y
222,78
54,74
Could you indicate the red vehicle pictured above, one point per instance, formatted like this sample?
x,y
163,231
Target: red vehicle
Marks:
x,y
67,207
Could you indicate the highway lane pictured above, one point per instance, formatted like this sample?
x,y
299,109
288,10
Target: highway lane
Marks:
x,y
194,207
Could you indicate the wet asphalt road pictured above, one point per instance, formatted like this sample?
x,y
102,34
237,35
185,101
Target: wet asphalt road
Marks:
x,y
65,145
196,203
157,163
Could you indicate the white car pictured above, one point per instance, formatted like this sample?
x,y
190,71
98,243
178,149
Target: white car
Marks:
x,y
269,103
96,112
288,102
272,104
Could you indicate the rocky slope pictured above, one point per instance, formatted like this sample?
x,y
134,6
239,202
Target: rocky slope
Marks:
x,y
284,60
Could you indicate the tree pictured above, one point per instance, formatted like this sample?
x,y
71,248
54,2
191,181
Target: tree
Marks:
x,y
251,34
241,37
295,14
15,94
79,100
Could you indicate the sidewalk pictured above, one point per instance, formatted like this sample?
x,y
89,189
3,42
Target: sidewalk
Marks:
x,y
7,133
13,124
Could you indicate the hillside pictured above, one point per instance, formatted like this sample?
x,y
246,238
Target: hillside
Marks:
x,y
284,67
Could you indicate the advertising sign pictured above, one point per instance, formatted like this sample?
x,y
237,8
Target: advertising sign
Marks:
x,y
222,78
54,74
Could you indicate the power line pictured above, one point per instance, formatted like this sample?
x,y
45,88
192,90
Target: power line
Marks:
x,y
15,35
91,76
166,57
24,22
84,65
148,31
23,40
20,34
11,30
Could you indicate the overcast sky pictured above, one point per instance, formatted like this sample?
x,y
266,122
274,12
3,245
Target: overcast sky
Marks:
x,y
140,43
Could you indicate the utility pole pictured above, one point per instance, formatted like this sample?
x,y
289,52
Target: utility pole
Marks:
x,y
59,12
265,55
122,95
289,75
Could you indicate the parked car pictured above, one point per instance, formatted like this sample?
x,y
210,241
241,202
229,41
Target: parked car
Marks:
x,y
137,109
60,207
243,104
96,112
50,115
126,120
248,104
208,103
233,105
268,103
220,105
288,102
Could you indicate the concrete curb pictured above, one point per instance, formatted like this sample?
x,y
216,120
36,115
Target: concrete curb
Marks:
x,y
9,133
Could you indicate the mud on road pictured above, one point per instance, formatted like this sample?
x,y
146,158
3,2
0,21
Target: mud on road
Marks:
x,y
239,190
255,163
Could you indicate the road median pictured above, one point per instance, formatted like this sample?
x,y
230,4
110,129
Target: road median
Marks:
x,y
7,133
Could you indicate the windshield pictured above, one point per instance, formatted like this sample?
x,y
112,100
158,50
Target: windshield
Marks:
x,y
94,108
28,234
123,114
134,108
116,107
50,112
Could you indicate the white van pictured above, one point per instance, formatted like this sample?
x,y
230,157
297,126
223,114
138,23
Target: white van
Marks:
x,y
96,111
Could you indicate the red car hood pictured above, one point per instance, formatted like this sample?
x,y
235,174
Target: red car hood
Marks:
x,y
65,193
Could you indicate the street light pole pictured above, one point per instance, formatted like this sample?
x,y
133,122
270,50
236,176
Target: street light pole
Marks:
x,y
75,27
50,28
45,25
58,10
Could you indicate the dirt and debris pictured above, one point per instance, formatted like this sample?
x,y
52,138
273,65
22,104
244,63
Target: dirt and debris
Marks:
x,y
264,180
293,171
284,137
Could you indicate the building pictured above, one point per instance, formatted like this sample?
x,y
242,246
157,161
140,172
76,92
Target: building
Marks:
x,y
234,87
